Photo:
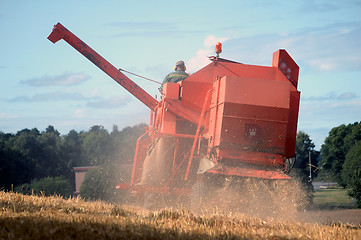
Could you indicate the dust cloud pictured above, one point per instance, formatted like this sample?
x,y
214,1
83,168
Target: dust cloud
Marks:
x,y
277,199
157,167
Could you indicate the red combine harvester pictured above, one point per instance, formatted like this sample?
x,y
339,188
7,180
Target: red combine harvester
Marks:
x,y
226,120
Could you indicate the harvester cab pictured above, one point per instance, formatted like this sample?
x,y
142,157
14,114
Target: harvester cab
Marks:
x,y
227,119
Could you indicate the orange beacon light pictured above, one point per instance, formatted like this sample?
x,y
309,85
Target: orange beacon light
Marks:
x,y
218,49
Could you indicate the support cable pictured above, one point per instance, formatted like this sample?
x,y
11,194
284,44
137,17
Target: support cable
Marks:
x,y
140,76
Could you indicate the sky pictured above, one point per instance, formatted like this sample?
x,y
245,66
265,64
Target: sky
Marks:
x,y
44,84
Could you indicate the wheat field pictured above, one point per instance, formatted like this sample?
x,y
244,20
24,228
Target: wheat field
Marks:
x,y
40,217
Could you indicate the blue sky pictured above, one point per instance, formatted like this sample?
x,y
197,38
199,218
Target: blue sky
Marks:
x,y
45,84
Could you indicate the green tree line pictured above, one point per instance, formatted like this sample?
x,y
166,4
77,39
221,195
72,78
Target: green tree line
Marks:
x,y
341,158
30,159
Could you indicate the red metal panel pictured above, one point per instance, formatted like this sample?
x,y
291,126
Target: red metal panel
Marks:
x,y
171,90
256,112
292,124
254,91
218,126
247,172
254,157
256,134
193,94
213,115
168,123
175,107
283,61
221,68
251,113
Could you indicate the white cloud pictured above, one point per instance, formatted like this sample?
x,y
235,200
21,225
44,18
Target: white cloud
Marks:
x,y
8,116
329,48
201,58
199,61
52,96
80,113
332,96
114,102
211,41
65,79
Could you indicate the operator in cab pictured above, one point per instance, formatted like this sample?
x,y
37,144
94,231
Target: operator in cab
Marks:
x,y
179,74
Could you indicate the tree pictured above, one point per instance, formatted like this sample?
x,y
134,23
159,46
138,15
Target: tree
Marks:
x,y
334,150
71,153
125,142
42,149
354,135
97,146
301,170
305,147
49,153
47,186
351,172
26,141
100,183
15,168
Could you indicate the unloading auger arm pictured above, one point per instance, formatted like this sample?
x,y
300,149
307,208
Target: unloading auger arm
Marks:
x,y
60,32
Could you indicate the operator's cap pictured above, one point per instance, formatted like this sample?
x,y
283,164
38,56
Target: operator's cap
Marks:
x,y
180,64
